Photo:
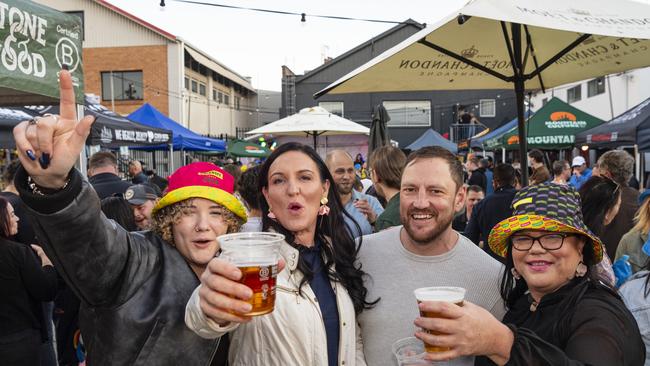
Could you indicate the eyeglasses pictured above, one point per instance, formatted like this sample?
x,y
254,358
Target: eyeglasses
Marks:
x,y
547,242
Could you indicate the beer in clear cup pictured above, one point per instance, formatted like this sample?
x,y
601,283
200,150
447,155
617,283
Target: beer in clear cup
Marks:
x,y
256,255
455,295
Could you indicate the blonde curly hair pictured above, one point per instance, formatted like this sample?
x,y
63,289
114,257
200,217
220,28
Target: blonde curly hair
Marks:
x,y
165,218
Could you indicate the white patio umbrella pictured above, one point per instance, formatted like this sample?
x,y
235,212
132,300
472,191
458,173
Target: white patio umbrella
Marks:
x,y
312,121
499,44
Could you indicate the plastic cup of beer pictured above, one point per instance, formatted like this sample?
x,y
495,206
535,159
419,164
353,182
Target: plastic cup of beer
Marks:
x,y
410,352
455,295
257,256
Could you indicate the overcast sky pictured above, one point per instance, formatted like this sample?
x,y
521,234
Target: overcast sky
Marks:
x,y
258,44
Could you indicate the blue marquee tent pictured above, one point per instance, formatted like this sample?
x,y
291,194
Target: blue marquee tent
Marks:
x,y
183,138
497,132
432,138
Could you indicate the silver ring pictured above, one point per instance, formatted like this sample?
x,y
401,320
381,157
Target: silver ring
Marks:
x,y
56,117
33,121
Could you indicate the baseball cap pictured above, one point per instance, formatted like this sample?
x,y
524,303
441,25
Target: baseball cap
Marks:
x,y
578,161
139,194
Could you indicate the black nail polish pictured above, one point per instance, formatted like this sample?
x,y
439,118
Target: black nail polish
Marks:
x,y
30,154
45,160
65,67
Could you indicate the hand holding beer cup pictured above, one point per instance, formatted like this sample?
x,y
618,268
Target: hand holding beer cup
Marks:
x,y
451,330
241,282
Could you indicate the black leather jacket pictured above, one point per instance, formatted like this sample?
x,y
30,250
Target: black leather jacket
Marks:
x,y
133,286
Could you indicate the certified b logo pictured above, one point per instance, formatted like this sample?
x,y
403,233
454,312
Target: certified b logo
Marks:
x,y
264,273
67,53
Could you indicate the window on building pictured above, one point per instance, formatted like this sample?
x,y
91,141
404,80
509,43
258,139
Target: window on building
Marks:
x,y
544,101
333,107
202,89
219,97
574,94
126,85
595,87
487,108
237,102
408,113
187,83
195,86
214,94
226,99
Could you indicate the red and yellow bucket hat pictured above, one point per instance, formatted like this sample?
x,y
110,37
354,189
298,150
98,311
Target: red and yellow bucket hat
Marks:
x,y
202,180
546,206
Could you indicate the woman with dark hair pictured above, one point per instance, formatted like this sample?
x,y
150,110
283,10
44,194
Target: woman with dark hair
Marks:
x,y
601,200
321,284
118,209
25,282
559,312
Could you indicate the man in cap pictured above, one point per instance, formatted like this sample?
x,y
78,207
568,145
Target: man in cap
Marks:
x,y
142,199
133,286
581,173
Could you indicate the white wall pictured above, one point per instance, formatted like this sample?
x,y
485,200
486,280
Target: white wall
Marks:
x,y
627,90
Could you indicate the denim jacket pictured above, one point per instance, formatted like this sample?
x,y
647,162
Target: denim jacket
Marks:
x,y
633,292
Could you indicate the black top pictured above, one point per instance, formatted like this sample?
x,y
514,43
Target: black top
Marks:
x,y
326,297
24,284
460,221
582,323
107,184
25,231
487,213
133,287
478,178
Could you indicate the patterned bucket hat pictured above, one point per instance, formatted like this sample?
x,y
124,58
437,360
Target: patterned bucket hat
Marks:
x,y
546,206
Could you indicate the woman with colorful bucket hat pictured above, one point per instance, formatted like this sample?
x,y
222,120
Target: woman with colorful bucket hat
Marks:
x,y
559,312
133,286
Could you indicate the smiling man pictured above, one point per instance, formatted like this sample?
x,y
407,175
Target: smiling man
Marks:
x,y
362,208
424,252
142,199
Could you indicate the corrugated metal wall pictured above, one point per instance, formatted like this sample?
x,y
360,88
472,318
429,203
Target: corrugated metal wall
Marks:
x,y
105,28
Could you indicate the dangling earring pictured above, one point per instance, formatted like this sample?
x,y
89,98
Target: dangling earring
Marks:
x,y
515,274
581,271
324,209
271,215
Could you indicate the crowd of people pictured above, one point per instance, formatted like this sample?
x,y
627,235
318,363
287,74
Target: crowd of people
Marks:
x,y
135,274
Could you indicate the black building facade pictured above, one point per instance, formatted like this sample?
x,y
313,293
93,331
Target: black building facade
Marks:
x,y
411,113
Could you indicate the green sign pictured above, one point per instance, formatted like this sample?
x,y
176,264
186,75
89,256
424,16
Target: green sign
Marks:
x,y
554,126
241,148
35,43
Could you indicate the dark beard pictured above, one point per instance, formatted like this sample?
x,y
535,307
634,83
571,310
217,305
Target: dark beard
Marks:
x,y
442,224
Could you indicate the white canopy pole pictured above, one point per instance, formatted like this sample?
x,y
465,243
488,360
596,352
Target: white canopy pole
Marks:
x,y
82,165
637,163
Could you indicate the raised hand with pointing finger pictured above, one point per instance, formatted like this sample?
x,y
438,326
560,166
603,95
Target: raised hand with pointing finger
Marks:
x,y
128,283
49,146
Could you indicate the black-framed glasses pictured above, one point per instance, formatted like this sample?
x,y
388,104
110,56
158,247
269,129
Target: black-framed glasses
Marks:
x,y
547,242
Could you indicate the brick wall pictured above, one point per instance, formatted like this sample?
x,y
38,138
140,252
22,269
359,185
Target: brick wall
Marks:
x,y
152,60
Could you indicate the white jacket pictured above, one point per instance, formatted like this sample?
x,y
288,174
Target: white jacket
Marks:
x,y
293,334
